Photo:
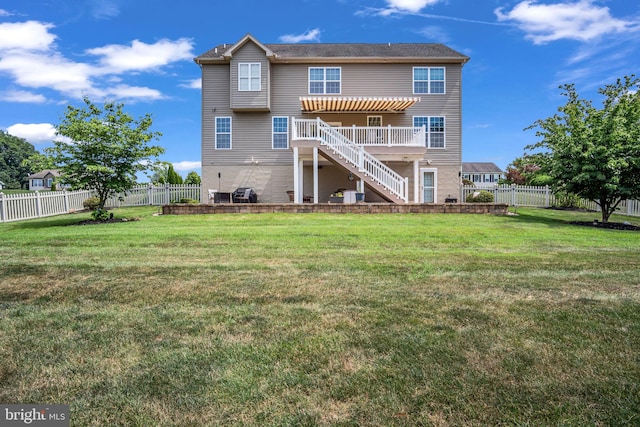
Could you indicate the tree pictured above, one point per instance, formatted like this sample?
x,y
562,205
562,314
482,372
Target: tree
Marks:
x,y
193,178
525,170
172,176
109,147
594,153
13,152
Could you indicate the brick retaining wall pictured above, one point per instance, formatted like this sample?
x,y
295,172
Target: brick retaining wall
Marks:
x,y
360,208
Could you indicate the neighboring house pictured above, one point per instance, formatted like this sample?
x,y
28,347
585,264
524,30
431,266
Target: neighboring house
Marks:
x,y
1,185
383,119
43,180
482,174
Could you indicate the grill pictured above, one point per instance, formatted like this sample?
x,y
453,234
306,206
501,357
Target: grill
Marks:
x,y
244,195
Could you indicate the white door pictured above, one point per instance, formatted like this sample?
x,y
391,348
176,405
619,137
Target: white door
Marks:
x,y
428,185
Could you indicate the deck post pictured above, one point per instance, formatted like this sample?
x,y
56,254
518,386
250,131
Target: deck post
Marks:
x,y
315,175
416,181
296,176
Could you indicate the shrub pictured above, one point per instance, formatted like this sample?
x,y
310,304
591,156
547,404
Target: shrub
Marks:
x,y
91,203
100,215
467,182
482,196
188,200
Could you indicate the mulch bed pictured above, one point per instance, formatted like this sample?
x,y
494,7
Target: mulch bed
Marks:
x,y
109,221
608,225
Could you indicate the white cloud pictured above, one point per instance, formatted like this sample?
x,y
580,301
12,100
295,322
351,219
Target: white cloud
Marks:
x,y
134,92
185,166
581,20
36,133
30,35
192,84
103,9
410,5
22,96
140,56
311,35
30,57
5,12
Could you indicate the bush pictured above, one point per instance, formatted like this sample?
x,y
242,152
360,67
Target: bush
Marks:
x,y
482,196
468,183
101,215
188,200
91,203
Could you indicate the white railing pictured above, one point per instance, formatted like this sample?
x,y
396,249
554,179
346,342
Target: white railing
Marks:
x,y
365,135
21,206
520,195
16,207
355,154
145,195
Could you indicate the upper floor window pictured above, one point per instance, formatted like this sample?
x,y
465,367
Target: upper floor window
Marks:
x,y
435,130
427,80
249,76
223,133
325,80
280,138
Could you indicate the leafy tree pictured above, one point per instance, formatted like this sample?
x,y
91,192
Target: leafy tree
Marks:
x,y
193,178
525,170
594,153
109,148
13,152
173,177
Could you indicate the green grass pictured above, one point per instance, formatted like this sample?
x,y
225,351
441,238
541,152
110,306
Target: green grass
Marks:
x,y
346,320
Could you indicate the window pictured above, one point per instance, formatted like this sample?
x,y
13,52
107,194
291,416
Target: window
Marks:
x,y
374,121
249,77
49,182
37,183
280,133
223,133
435,130
428,80
325,80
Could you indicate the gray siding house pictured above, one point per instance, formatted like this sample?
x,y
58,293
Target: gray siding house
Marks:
x,y
482,174
314,119
43,180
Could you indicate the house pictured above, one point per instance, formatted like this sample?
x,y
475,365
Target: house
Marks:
x,y
482,174
43,179
380,119
1,185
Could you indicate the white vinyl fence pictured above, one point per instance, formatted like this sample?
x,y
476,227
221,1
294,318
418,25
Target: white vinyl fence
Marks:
x,y
16,207
520,195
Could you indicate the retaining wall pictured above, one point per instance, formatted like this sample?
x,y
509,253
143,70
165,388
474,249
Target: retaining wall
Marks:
x,y
359,208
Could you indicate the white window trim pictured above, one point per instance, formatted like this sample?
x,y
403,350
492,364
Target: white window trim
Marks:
x,y
435,184
413,81
428,142
273,132
215,132
373,117
324,81
249,77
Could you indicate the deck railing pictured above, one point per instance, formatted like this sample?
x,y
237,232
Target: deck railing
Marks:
x,y
390,136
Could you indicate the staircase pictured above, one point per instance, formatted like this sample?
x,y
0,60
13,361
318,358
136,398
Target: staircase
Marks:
x,y
378,176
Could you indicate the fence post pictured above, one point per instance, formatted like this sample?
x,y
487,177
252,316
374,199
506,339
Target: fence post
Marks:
x,y
546,196
150,194
167,194
513,194
38,204
66,200
3,208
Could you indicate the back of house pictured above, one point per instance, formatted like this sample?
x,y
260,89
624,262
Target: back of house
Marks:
x,y
303,122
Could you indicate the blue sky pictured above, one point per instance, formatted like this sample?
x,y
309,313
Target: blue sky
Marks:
x,y
140,52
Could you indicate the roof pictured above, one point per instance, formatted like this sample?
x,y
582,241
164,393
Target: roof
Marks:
x,y
44,174
480,167
364,52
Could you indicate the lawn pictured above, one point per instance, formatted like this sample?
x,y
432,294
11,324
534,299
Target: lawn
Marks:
x,y
319,319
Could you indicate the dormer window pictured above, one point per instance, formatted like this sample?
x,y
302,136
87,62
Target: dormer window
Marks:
x,y
249,77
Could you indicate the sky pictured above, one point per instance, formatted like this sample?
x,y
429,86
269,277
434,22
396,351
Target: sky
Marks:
x,y
140,53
